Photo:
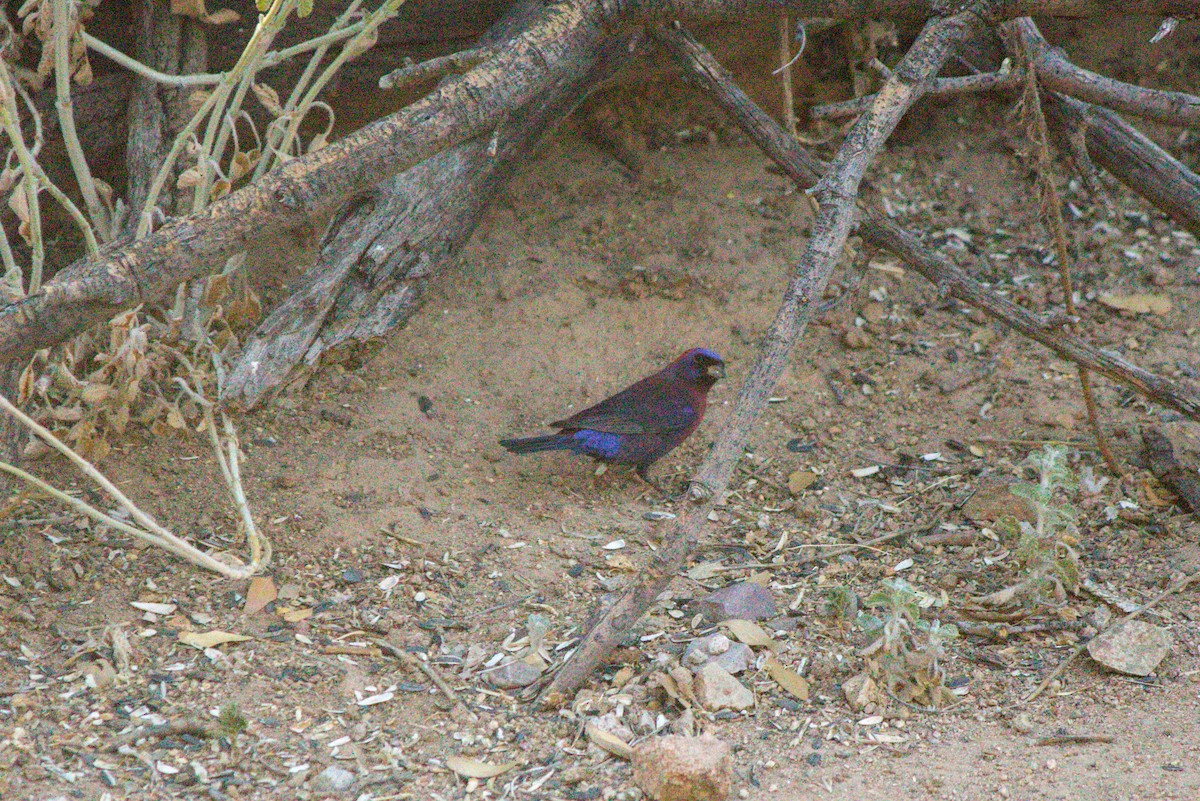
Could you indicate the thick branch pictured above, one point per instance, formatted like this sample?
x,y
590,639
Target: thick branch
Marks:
x,y
1130,156
371,274
284,204
1055,71
830,230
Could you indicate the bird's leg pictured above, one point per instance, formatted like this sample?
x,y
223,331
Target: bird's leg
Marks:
x,y
642,473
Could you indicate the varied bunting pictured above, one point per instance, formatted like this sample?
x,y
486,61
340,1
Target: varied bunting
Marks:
x,y
641,424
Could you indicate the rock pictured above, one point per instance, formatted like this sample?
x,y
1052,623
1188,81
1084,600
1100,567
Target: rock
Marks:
x,y
716,689
993,501
333,780
515,674
801,480
734,657
788,623
742,601
873,312
675,768
1131,646
855,339
1056,414
1022,724
860,691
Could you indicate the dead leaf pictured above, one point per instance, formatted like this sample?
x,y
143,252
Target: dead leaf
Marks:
x,y
188,178
801,480
294,614
268,97
608,741
209,639
749,633
222,17
474,769
262,591
704,571
787,678
1138,303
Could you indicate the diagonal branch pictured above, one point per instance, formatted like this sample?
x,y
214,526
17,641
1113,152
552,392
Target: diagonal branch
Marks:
x,y
1056,72
838,213
286,202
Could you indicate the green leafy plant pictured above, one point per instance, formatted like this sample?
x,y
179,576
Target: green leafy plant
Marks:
x,y
1045,548
906,652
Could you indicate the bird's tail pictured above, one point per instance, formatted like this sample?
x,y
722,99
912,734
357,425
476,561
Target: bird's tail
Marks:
x,y
546,442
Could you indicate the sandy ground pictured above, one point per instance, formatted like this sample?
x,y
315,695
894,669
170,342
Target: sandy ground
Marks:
x,y
395,515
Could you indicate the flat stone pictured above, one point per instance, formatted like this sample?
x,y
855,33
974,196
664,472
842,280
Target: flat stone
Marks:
x,y
734,657
677,768
993,501
742,601
333,780
1131,646
513,675
717,689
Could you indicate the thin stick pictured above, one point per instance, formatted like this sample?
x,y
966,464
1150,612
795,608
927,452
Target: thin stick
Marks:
x,y
785,73
838,550
1052,203
942,87
1178,586
151,531
414,664
64,23
135,66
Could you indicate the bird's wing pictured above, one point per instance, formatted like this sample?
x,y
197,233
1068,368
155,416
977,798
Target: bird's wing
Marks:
x,y
647,407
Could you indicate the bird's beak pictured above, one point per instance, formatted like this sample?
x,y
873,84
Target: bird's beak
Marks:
x,y
715,371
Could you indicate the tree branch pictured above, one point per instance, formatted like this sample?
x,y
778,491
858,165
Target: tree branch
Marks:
x,y
837,193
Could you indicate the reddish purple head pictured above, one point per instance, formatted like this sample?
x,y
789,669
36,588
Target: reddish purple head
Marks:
x,y
700,367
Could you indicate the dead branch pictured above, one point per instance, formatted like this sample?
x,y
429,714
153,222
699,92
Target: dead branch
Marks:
x,y
880,232
1131,157
836,193
1056,72
284,204
380,253
942,87
287,203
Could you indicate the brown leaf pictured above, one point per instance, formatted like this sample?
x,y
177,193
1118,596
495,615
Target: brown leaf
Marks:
x,y
262,591
189,178
189,8
749,633
209,639
475,769
608,741
787,678
222,17
1138,303
268,97
294,614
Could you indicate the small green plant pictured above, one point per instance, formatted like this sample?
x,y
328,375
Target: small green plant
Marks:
x,y
231,723
906,652
1044,549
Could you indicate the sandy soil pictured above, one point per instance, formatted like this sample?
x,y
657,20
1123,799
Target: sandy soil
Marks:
x,y
578,282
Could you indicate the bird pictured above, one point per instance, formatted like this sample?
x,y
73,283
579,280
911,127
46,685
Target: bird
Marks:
x,y
641,423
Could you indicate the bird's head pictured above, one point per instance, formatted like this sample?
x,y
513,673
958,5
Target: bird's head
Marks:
x,y
701,367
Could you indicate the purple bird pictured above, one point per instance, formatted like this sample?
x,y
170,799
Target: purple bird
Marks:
x,y
641,424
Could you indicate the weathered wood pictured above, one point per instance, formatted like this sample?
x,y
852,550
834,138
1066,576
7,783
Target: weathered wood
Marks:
x,y
1131,156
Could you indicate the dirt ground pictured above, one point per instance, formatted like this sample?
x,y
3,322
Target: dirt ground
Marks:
x,y
395,516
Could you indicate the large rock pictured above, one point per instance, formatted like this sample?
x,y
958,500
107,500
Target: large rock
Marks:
x,y
1131,646
742,601
675,768
717,689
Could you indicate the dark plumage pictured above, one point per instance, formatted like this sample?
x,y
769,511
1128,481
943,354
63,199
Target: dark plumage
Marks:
x,y
641,424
